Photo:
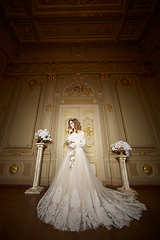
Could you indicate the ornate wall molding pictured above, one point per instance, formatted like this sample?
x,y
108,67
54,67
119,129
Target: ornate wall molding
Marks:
x,y
31,83
49,108
125,82
149,75
104,76
52,77
8,76
81,66
109,107
78,89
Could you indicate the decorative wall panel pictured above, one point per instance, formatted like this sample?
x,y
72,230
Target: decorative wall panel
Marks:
x,y
22,124
137,127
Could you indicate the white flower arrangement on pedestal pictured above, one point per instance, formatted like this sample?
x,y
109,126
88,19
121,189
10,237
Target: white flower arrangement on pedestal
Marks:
x,y
43,136
121,145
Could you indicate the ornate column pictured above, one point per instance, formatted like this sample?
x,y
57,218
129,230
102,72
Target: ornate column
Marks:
x,y
36,189
125,188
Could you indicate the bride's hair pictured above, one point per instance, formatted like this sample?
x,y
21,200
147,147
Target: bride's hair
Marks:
x,y
77,124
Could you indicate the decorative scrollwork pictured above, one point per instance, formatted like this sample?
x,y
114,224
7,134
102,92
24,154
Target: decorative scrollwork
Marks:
x,y
104,77
52,77
125,82
78,89
49,108
109,107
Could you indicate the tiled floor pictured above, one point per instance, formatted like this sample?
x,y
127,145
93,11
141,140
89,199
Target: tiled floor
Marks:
x,y
18,219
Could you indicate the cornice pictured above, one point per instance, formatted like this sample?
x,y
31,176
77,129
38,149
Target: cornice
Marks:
x,y
103,68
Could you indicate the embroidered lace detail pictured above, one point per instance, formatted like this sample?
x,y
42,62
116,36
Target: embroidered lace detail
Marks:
x,y
73,214
76,201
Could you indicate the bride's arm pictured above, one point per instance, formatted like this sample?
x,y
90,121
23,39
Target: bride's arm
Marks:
x,y
82,141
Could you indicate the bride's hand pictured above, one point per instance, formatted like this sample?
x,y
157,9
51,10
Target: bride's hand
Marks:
x,y
70,131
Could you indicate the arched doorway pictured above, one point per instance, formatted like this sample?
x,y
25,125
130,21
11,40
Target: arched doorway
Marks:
x,y
77,99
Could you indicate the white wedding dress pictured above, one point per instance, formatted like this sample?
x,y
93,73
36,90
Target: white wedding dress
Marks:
x,y
76,200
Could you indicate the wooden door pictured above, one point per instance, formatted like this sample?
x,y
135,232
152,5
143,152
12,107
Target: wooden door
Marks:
x,y
88,115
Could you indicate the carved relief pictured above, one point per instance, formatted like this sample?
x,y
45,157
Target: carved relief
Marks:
x,y
147,169
68,29
89,131
144,153
52,77
16,52
125,82
78,88
31,83
26,30
49,108
142,49
15,3
78,52
8,77
13,169
131,27
109,107
104,77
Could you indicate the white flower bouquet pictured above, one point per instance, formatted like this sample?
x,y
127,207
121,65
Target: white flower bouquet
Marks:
x,y
70,144
121,145
43,135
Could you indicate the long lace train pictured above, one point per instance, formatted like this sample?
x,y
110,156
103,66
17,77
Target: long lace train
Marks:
x,y
76,200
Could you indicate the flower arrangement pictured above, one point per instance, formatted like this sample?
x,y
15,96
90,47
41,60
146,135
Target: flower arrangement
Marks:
x,y
72,147
43,135
121,145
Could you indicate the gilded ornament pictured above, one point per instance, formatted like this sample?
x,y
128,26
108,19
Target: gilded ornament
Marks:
x,y
13,169
52,77
144,153
16,153
104,77
78,89
49,108
147,169
32,83
109,107
125,82
89,131
8,77
78,52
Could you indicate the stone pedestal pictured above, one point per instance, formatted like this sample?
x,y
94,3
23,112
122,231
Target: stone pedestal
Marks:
x,y
125,188
36,189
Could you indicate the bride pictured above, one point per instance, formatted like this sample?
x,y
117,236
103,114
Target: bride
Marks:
x,y
76,200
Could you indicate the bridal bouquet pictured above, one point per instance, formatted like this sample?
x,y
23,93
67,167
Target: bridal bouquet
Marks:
x,y
121,145
43,135
70,144
72,147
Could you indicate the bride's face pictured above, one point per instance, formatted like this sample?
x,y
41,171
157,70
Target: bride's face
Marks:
x,y
71,124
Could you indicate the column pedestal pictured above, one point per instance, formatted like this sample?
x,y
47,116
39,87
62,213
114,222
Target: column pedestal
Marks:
x,y
125,188
36,189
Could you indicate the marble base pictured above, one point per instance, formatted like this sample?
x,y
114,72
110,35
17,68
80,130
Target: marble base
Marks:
x,y
34,190
127,190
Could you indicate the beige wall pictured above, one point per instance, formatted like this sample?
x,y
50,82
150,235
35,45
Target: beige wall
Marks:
x,y
129,110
